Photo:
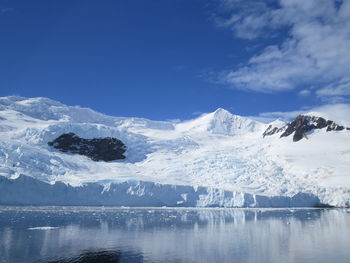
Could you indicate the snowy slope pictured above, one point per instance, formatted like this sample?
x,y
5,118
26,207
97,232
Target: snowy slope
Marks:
x,y
217,150
221,122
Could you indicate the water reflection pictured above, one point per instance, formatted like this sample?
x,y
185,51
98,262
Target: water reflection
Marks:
x,y
173,235
92,257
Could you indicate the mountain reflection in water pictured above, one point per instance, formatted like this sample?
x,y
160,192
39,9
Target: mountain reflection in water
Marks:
x,y
100,257
85,234
91,257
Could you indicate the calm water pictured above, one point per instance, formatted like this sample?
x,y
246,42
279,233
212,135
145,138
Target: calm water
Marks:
x,y
64,234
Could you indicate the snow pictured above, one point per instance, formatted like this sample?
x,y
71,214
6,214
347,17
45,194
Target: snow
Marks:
x,y
277,123
221,122
330,116
138,193
217,150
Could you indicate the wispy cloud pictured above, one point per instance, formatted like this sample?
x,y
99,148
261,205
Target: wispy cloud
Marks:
x,y
336,92
339,112
315,51
197,113
304,93
282,115
246,19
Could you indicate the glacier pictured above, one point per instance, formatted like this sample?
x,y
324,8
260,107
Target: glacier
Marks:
x,y
26,190
218,159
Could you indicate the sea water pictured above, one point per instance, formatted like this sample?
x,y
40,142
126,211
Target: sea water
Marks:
x,y
102,234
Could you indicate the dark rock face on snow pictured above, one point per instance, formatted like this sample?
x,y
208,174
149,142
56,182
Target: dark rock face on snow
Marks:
x,y
273,130
98,149
303,124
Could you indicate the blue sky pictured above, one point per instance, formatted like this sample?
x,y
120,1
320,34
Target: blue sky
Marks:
x,y
173,59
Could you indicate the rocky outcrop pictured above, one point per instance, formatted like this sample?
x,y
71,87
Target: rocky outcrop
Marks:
x,y
302,125
97,149
273,130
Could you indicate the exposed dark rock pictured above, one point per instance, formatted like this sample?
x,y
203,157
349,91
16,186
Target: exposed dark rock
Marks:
x,y
335,127
273,130
98,149
303,124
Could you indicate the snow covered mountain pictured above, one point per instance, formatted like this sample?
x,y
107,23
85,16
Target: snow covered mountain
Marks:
x,y
221,122
218,159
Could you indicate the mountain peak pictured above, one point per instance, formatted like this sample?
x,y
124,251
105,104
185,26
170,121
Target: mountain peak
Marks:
x,y
304,124
221,121
221,111
19,100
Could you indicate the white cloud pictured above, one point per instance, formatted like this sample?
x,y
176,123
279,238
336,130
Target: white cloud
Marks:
x,y
282,115
248,18
336,92
314,52
304,93
198,113
340,113
174,121
264,119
